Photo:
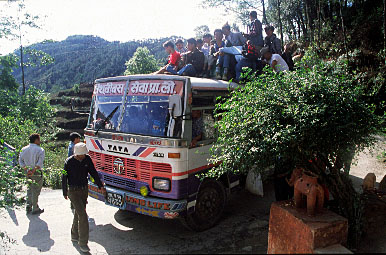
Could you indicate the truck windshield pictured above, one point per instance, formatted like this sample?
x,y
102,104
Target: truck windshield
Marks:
x,y
107,96
145,109
146,115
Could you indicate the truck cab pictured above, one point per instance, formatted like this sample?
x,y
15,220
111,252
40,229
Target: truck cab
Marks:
x,y
149,137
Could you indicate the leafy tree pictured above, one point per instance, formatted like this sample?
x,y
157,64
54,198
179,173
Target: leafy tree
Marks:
x,y
14,28
312,113
201,31
239,7
142,62
7,81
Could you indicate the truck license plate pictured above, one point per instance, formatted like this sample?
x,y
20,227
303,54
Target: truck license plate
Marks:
x,y
115,199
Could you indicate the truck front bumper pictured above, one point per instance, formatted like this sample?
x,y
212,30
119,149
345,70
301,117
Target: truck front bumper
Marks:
x,y
126,200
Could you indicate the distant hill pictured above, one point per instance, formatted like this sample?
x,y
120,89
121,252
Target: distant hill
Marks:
x,y
84,58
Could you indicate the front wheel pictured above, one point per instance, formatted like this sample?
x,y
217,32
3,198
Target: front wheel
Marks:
x,y
210,205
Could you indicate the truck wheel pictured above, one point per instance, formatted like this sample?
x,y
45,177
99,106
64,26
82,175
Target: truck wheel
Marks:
x,y
210,204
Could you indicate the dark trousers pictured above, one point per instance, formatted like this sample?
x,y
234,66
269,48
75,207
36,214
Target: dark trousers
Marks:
x,y
80,228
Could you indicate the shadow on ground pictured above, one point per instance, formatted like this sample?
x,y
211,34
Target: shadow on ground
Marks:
x,y
243,228
41,241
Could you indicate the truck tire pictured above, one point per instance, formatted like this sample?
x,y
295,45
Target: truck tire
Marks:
x,y
210,203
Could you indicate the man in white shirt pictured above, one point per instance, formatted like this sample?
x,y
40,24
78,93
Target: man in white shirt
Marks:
x,y
31,160
277,63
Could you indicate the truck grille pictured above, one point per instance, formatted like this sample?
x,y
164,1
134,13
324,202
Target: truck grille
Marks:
x,y
123,182
132,169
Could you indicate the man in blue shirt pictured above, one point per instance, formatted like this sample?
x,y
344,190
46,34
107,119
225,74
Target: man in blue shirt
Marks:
x,y
74,139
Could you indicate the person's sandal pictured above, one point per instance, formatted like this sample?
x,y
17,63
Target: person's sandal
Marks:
x,y
84,248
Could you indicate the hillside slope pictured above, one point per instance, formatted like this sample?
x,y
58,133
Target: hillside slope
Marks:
x,y
84,58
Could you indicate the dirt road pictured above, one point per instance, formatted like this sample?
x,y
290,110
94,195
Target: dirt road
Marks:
x,y
243,228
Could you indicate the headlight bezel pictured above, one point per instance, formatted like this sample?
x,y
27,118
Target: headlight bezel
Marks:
x,y
155,179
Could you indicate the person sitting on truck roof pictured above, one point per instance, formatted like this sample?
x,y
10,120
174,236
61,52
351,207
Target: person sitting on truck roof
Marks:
x,y
250,56
233,46
200,43
174,58
287,55
193,60
222,61
206,50
212,59
271,41
255,30
274,60
180,46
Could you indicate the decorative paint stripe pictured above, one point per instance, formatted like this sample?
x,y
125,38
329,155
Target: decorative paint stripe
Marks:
x,y
195,170
147,152
139,151
99,145
94,144
178,178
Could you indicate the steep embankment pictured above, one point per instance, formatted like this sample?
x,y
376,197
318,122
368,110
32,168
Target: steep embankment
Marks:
x,y
67,119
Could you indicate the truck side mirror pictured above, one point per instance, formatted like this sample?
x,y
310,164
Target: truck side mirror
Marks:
x,y
175,105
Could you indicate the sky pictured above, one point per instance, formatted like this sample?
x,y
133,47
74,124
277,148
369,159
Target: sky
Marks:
x,y
114,20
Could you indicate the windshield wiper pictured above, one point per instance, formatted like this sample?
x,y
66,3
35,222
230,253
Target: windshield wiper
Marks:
x,y
107,119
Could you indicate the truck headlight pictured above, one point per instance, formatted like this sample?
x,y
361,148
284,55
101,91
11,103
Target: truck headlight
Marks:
x,y
161,184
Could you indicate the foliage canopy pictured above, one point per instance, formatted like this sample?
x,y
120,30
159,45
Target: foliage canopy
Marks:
x,y
293,115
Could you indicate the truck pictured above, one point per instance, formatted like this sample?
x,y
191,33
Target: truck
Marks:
x,y
149,137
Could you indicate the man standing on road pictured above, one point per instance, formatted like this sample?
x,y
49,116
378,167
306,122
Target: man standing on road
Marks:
x,y
75,184
31,160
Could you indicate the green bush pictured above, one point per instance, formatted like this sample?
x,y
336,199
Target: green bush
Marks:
x,y
11,180
53,165
314,112
76,88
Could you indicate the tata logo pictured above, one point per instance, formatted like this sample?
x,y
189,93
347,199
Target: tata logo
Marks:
x,y
118,166
118,149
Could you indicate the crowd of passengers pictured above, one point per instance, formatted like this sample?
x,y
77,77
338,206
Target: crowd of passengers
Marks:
x,y
226,55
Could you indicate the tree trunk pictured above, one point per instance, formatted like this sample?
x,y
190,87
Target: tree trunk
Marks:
x,y
22,68
384,28
309,19
319,25
290,22
343,29
280,23
299,29
265,21
305,32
